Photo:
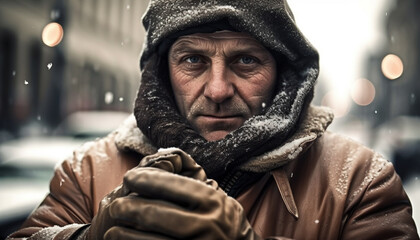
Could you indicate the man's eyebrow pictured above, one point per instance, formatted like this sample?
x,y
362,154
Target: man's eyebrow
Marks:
x,y
186,46
247,50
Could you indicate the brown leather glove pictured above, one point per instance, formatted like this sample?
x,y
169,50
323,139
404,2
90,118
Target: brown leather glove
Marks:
x,y
177,207
155,203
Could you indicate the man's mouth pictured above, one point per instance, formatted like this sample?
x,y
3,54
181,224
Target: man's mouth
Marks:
x,y
220,121
219,117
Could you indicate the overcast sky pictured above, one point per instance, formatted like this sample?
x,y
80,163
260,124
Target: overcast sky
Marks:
x,y
343,31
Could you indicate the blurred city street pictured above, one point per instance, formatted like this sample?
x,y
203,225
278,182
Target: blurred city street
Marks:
x,y
64,84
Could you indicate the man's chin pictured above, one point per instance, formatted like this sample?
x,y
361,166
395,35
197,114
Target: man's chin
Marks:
x,y
215,135
214,128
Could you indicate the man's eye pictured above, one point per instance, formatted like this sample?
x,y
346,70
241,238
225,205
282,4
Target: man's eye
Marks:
x,y
192,59
246,60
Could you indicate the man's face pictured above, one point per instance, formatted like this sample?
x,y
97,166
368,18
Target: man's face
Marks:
x,y
220,80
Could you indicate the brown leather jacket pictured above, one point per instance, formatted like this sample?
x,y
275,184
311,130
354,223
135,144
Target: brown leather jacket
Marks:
x,y
332,188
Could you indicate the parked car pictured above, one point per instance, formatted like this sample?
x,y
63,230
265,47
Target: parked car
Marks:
x,y
27,164
26,167
90,124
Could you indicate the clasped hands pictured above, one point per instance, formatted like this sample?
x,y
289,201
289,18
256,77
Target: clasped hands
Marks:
x,y
168,196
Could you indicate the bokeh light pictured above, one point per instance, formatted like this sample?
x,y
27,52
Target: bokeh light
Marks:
x,y
392,66
52,34
362,92
338,101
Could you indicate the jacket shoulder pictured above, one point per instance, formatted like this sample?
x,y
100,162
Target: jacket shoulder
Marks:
x,y
342,150
350,163
361,184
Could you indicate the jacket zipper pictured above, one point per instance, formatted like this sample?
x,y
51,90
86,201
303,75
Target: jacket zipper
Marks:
x,y
229,181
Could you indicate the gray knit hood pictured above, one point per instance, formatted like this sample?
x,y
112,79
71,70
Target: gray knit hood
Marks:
x,y
270,22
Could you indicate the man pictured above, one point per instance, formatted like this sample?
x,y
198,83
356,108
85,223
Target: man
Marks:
x,y
226,84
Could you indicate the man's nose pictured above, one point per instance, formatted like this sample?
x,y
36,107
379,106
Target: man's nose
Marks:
x,y
218,86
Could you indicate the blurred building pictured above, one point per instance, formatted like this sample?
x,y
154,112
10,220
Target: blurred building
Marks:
x,y
95,67
403,28
394,115
398,96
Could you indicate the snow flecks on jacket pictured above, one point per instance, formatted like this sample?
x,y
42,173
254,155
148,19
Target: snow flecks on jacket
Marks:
x,y
53,232
377,165
79,155
61,182
290,149
343,179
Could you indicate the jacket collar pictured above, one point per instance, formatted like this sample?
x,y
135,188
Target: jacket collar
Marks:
x,y
314,123
128,137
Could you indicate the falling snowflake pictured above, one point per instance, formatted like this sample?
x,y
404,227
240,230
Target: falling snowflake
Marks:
x,y
128,7
26,82
121,99
109,97
55,14
317,221
49,66
14,73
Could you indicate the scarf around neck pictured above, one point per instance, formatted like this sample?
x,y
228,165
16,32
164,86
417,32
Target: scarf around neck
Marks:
x,y
158,118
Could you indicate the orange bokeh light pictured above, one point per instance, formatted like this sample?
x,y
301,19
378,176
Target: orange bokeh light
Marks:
x,y
392,66
362,92
52,34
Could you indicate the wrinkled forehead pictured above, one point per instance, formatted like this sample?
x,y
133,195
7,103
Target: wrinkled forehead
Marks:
x,y
225,34
239,37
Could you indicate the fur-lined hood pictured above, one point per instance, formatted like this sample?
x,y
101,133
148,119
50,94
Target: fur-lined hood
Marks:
x,y
314,123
